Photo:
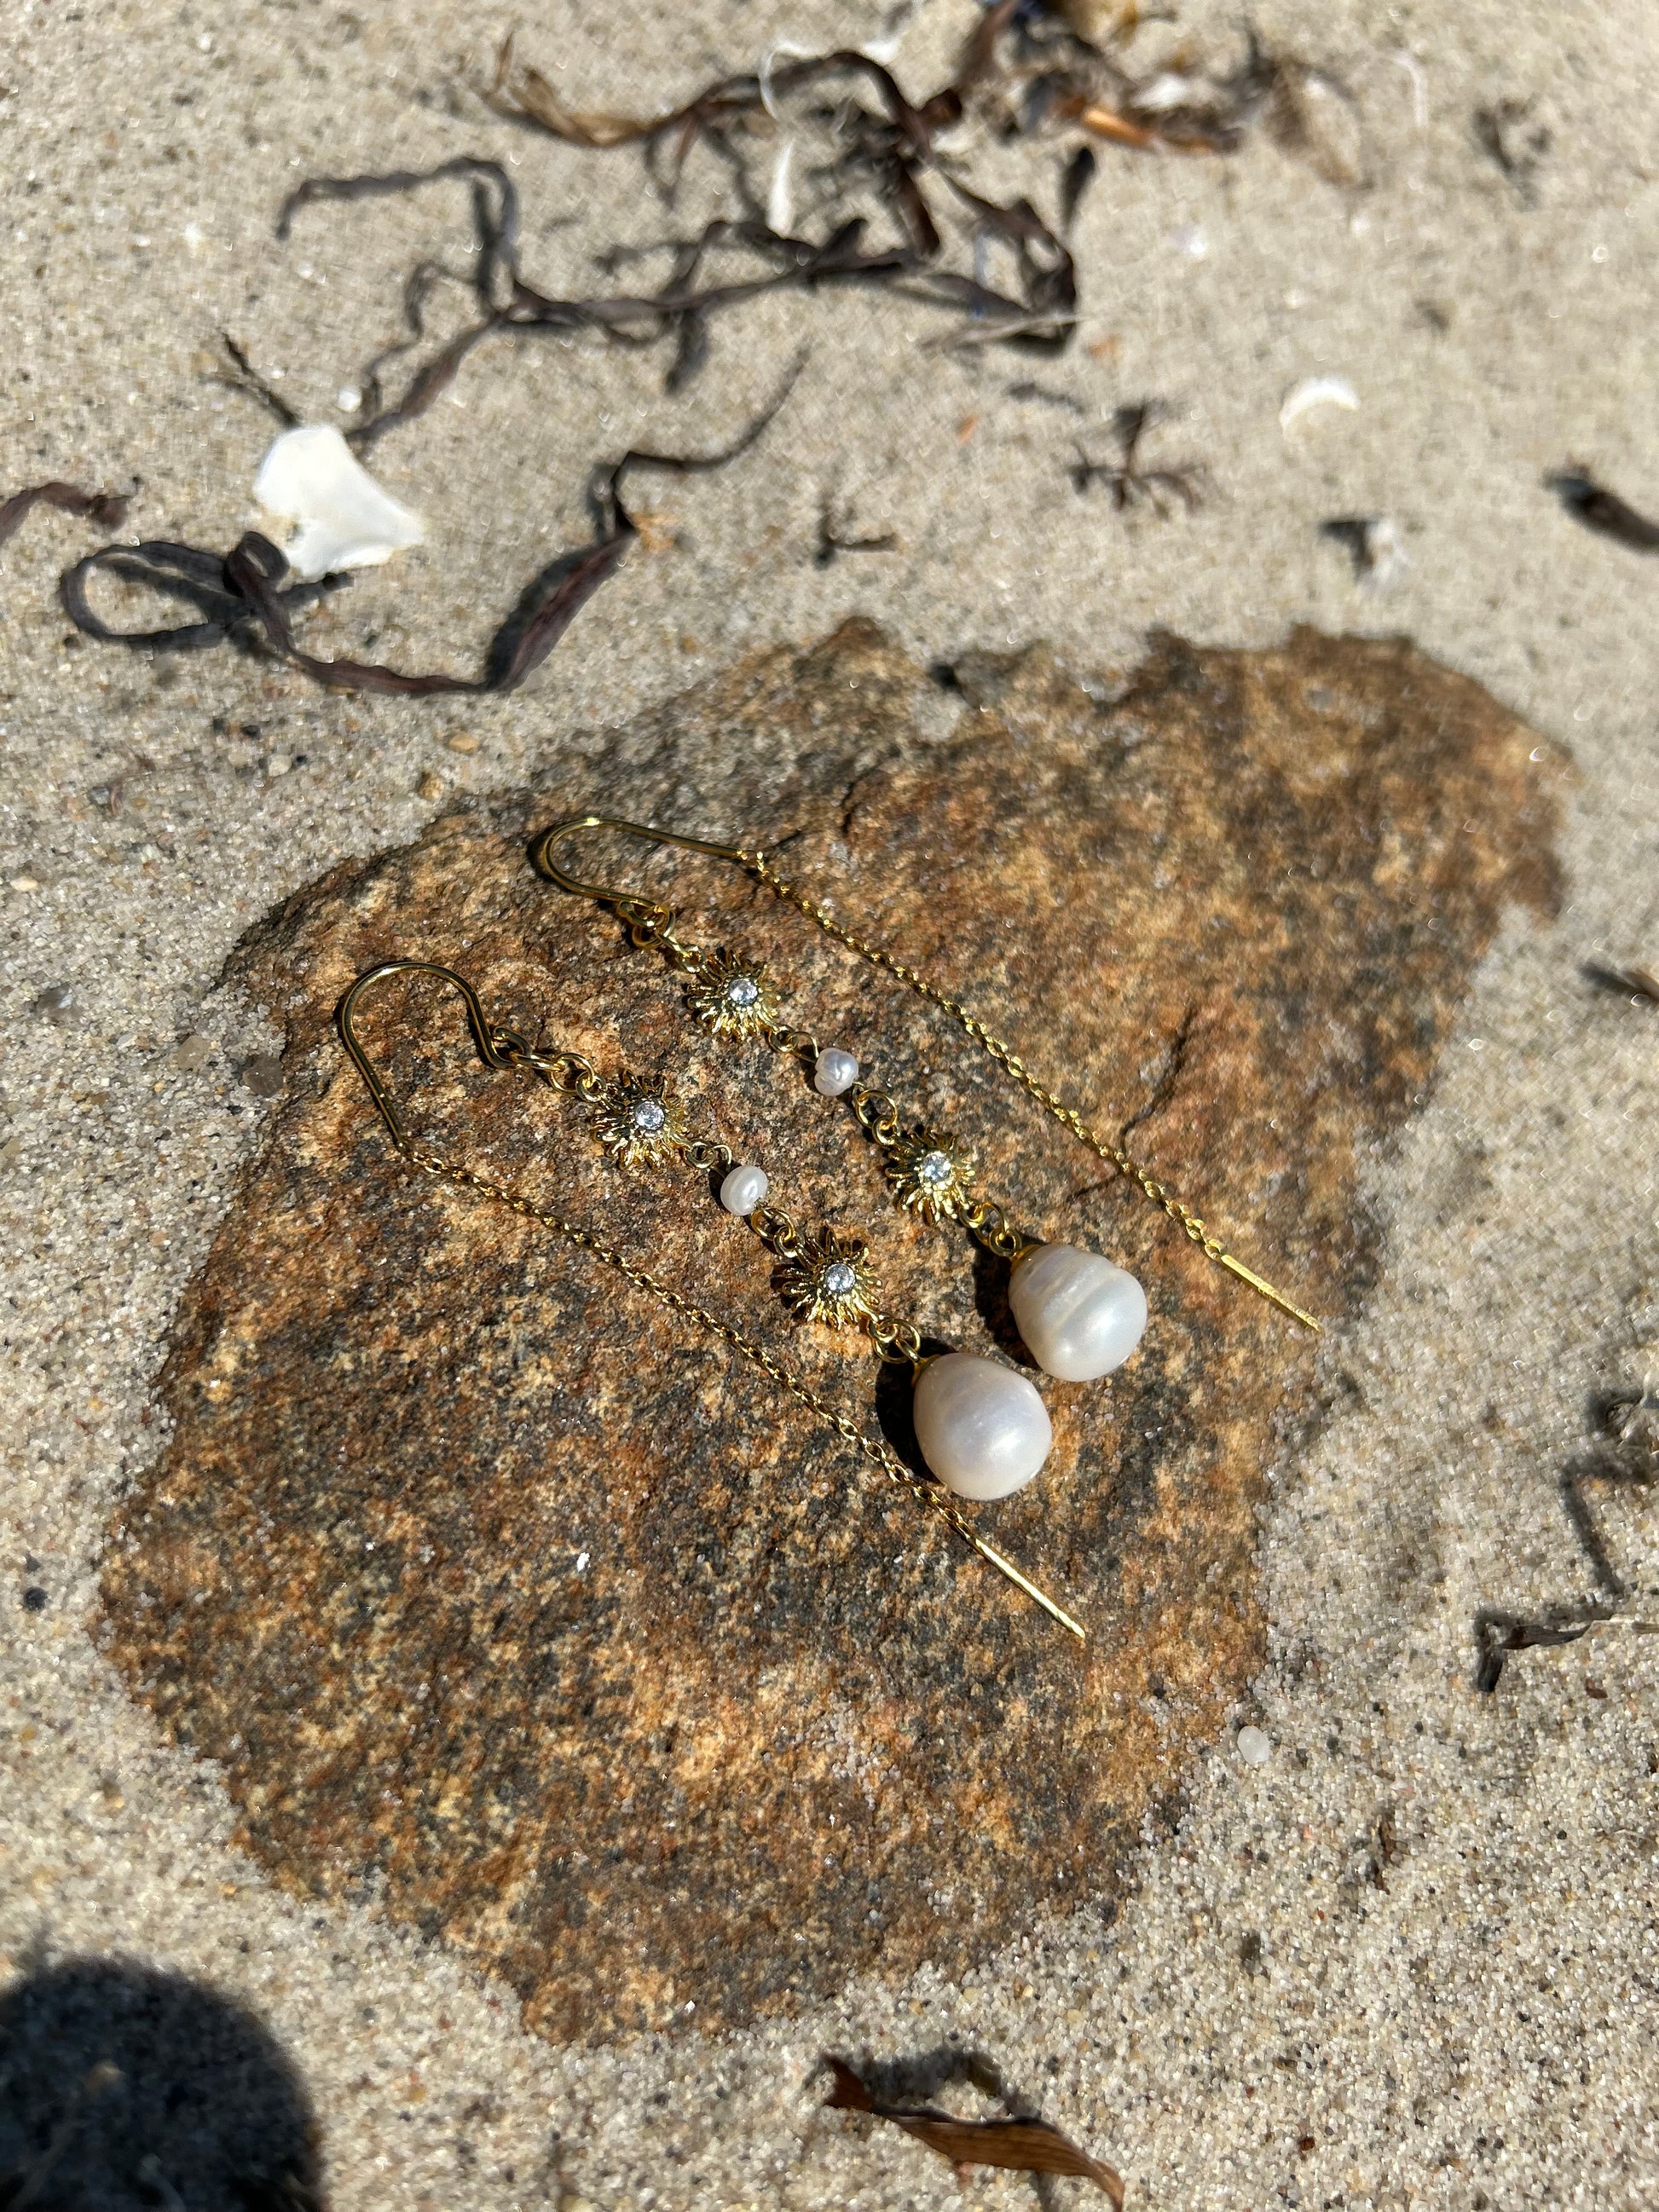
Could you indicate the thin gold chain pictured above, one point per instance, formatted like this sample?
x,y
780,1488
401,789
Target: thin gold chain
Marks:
x,y
1068,1116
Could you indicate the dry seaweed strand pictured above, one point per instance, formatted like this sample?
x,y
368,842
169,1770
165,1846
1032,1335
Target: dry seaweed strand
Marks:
x,y
108,509
507,303
1023,2144
893,147
246,588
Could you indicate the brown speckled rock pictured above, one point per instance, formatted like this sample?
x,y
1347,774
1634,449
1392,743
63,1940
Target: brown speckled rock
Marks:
x,y
494,1586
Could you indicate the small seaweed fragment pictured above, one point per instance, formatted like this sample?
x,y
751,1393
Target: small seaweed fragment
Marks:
x,y
1064,66
1498,1634
834,542
179,571
1602,510
1024,2144
1633,983
107,509
680,308
1125,479
1079,175
249,589
248,379
1373,545
1041,395
1500,133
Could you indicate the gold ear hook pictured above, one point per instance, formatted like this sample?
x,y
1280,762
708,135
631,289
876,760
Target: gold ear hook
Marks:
x,y
628,903
345,1017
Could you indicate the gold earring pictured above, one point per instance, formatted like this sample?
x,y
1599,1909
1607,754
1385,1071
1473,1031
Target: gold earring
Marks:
x,y
967,1404
1081,1316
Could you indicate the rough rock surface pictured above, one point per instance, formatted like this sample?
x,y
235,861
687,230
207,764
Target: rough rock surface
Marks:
x,y
499,1590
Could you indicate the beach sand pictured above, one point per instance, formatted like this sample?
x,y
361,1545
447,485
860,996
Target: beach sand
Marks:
x,y
1413,1955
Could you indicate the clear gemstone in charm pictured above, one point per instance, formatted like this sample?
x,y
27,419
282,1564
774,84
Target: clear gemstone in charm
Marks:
x,y
840,1279
732,995
929,1173
648,1117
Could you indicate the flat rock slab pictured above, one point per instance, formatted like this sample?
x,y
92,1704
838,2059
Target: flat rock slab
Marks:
x,y
502,1593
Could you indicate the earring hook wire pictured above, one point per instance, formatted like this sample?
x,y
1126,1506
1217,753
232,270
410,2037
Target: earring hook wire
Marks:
x,y
483,1035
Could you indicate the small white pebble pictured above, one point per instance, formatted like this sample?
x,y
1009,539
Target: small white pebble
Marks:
x,y
192,1053
1253,1746
349,398
582,1559
25,884
834,1072
277,764
743,1190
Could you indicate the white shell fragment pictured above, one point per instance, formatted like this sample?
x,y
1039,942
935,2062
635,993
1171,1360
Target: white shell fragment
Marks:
x,y
833,1071
1080,1315
1255,1746
1315,391
779,201
310,477
982,1428
744,1189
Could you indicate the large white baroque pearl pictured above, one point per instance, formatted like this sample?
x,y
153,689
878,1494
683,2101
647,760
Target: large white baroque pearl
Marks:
x,y
982,1428
1080,1316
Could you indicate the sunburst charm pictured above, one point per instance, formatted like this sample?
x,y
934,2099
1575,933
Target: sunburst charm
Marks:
x,y
637,1124
732,996
929,1173
829,1279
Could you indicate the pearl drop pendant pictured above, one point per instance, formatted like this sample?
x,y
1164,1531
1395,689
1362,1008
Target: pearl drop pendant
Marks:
x,y
1080,1315
982,1428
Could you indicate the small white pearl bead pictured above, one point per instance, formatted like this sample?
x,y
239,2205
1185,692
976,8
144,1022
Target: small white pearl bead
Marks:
x,y
982,1428
1080,1316
835,1071
743,1190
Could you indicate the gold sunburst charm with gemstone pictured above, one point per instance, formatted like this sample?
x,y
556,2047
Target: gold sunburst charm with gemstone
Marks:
x,y
829,1278
929,1173
637,1124
732,996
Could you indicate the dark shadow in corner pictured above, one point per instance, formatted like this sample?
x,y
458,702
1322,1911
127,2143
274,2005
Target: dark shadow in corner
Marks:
x,y
124,2088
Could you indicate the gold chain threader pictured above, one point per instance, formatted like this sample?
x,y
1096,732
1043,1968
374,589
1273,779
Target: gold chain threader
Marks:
x,y
500,1048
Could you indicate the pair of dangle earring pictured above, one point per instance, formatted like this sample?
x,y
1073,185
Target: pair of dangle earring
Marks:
x,y
982,1427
